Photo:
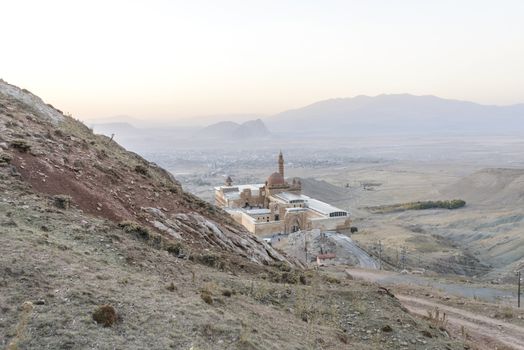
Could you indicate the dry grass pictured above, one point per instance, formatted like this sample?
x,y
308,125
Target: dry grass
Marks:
x,y
437,319
27,309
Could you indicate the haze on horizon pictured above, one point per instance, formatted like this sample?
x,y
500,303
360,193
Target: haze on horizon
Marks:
x,y
176,59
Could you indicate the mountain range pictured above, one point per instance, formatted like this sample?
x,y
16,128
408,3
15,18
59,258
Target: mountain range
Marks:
x,y
386,114
231,130
397,113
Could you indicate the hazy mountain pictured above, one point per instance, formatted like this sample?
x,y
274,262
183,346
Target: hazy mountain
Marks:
x,y
117,128
231,130
402,113
203,120
251,129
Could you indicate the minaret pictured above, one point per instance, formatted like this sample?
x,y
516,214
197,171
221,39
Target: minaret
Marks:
x,y
281,164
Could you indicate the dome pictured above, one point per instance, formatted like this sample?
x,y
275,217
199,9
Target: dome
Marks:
x,y
275,179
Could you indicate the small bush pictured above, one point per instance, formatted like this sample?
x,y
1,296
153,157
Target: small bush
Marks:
x,y
101,154
62,201
303,279
136,229
5,158
105,315
332,280
289,277
440,321
206,296
210,260
506,312
171,287
387,328
282,266
174,190
174,248
227,293
21,145
426,333
142,170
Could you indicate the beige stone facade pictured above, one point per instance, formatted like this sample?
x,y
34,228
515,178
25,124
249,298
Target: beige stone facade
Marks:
x,y
278,206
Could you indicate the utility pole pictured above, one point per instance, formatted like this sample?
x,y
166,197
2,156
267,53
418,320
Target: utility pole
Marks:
x,y
305,246
518,290
379,255
403,258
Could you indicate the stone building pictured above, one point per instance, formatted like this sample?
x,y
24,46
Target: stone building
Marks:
x,y
278,206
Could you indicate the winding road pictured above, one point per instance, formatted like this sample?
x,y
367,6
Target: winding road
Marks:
x,y
486,332
364,260
490,332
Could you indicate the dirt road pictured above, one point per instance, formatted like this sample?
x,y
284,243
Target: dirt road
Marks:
x,y
486,331
364,260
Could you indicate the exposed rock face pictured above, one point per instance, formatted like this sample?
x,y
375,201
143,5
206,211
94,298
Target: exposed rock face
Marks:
x,y
32,102
226,237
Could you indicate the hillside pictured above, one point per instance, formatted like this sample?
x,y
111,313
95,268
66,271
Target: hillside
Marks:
x,y
493,187
85,223
325,191
397,113
497,197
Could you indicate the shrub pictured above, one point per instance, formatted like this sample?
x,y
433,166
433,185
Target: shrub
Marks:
x,y
174,189
62,201
282,266
206,296
105,315
303,279
437,319
210,260
332,280
174,248
21,145
136,229
289,277
142,170
5,158
171,287
387,328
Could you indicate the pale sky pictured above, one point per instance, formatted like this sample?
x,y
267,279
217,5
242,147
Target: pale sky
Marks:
x,y
177,59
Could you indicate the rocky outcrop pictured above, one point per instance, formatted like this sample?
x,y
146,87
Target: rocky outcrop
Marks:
x,y
32,102
193,227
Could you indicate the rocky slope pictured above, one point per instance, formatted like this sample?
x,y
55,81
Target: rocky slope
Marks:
x,y
100,249
58,155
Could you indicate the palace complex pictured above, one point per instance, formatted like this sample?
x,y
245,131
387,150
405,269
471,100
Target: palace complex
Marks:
x,y
278,206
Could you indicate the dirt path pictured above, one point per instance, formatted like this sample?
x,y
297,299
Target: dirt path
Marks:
x,y
483,330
